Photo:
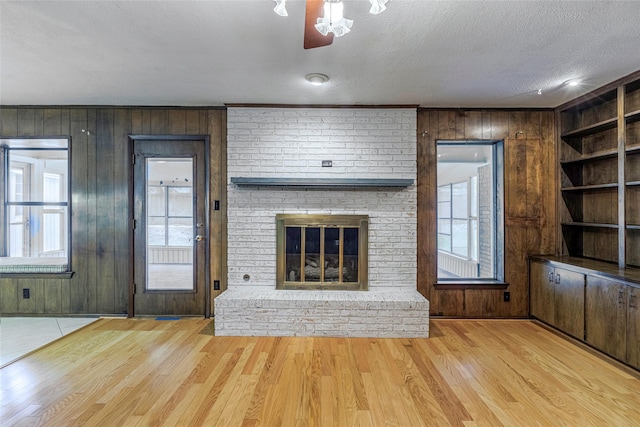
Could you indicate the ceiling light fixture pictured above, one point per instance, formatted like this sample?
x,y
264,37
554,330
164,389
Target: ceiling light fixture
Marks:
x,y
317,79
572,82
280,8
333,20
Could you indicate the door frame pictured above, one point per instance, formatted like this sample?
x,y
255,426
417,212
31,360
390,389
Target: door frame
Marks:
x,y
207,256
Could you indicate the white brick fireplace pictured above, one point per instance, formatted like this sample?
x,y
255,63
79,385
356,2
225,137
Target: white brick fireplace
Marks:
x,y
362,144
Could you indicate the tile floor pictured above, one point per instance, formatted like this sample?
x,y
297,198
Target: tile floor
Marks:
x,y
40,330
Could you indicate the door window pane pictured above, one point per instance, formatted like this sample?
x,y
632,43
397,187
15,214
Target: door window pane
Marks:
x,y
156,201
170,224
180,201
156,231
180,231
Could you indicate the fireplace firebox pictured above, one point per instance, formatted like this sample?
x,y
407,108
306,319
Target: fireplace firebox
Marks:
x,y
322,251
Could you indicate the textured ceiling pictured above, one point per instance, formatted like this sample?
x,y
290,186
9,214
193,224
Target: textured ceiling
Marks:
x,y
429,53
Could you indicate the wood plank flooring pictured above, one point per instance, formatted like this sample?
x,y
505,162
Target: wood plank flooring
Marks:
x,y
144,372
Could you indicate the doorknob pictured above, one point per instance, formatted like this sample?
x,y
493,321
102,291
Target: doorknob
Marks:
x,y
199,238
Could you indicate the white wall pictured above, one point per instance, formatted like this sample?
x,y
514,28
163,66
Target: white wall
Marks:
x,y
291,143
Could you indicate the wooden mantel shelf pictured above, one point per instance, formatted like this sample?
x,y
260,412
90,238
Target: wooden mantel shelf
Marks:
x,y
322,182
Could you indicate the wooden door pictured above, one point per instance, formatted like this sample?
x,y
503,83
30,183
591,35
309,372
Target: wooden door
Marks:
x,y
606,316
542,291
633,326
569,302
170,226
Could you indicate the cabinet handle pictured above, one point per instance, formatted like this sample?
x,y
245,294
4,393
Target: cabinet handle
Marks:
x,y
632,301
558,278
620,297
550,277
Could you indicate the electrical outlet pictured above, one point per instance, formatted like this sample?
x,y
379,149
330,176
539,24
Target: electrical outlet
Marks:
x,y
327,163
216,285
26,293
507,296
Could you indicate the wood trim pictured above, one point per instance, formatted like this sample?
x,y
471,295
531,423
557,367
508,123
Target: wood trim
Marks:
x,y
470,284
481,109
622,133
117,107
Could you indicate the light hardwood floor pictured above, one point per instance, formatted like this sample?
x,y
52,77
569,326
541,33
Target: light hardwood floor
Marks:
x,y
143,372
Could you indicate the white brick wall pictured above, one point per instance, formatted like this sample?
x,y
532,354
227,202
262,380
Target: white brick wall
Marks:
x,y
291,143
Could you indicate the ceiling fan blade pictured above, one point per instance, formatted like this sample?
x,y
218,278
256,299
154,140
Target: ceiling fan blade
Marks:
x,y
312,37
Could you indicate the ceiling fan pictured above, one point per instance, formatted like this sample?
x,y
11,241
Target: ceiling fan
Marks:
x,y
324,20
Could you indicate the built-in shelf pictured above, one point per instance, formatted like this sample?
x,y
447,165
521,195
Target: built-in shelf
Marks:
x,y
322,182
599,148
591,187
590,225
594,157
632,116
591,129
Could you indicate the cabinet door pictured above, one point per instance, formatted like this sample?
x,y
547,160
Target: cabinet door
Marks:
x,y
541,277
633,326
569,302
606,316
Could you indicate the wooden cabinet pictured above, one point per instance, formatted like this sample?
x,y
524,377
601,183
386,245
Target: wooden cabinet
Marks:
x,y
594,301
557,297
541,277
633,326
599,152
569,302
606,316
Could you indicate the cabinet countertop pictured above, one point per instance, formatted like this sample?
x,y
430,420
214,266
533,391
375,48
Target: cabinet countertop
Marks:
x,y
592,267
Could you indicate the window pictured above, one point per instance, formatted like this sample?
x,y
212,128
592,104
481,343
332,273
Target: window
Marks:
x,y
35,214
170,219
469,210
456,222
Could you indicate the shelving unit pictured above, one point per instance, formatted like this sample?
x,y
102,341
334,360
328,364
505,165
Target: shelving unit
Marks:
x,y
632,172
599,156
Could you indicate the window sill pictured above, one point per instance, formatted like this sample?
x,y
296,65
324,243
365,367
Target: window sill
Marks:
x,y
470,284
66,275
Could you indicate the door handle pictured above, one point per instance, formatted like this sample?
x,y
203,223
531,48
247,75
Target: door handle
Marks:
x,y
199,238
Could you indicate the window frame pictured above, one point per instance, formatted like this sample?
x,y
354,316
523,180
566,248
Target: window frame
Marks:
x,y
497,281
5,169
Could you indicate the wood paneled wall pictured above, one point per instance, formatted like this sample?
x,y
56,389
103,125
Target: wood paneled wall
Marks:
x,y
99,200
530,203
100,174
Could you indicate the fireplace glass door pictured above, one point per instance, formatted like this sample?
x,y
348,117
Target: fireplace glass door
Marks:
x,y
322,252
